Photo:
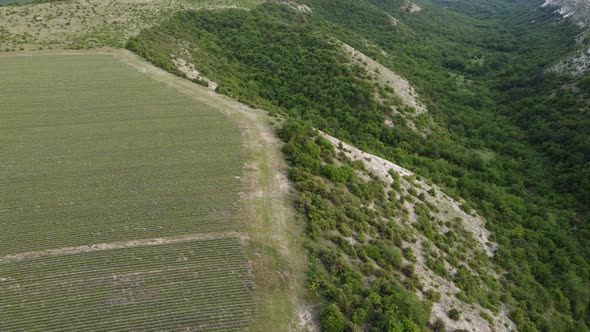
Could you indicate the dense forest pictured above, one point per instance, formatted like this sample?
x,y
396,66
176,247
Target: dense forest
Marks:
x,y
512,138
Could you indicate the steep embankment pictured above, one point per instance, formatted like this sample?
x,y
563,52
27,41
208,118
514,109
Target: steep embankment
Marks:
x,y
448,217
379,237
473,225
395,92
400,97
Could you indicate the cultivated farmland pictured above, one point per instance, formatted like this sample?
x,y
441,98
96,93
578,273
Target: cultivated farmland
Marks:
x,y
118,202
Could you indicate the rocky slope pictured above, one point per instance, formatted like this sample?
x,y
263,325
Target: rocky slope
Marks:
x,y
579,12
577,9
448,217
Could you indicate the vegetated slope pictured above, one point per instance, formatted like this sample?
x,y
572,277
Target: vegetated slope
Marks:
x,y
447,230
253,56
395,92
377,234
544,88
457,62
119,202
278,59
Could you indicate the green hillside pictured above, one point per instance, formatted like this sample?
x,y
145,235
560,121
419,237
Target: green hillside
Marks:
x,y
478,70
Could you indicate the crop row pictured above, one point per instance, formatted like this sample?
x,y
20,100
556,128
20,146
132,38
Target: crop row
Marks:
x,y
200,253
210,287
95,152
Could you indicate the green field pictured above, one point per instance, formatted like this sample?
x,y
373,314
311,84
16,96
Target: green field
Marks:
x,y
190,286
94,152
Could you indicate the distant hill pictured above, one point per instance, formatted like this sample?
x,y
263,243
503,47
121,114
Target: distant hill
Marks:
x,y
577,9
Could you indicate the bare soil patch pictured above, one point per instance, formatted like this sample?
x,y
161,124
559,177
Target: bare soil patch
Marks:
x,y
117,245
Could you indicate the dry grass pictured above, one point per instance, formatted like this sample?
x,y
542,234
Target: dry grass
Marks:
x,y
274,247
80,24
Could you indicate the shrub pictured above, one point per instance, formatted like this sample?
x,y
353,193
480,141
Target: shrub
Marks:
x,y
439,326
332,319
338,174
454,314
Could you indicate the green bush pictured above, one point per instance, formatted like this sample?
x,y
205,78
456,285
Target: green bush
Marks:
x,y
454,314
332,319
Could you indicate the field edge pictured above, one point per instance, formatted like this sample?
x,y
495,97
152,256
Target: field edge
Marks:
x,y
267,217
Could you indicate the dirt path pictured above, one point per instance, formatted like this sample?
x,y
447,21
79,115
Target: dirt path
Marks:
x,y
118,245
267,215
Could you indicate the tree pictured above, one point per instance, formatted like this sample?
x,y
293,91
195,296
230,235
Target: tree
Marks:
x,y
332,319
